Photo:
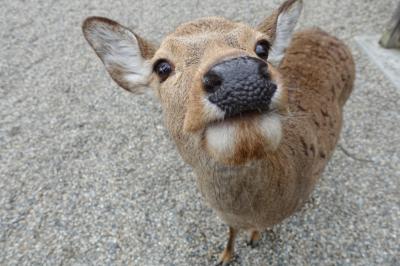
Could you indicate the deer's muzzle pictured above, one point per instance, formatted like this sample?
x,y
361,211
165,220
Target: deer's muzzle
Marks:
x,y
240,85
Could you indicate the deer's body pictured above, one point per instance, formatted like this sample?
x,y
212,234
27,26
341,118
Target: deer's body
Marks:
x,y
318,70
257,135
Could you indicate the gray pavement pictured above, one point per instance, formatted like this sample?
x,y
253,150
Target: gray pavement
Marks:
x,y
88,175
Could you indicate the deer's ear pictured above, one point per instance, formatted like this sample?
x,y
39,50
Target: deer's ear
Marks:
x,y
280,26
125,55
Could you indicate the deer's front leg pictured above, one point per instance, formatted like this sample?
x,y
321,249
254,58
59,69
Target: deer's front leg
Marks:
x,y
228,253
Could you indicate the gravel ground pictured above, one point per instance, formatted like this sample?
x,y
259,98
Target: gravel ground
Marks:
x,y
88,175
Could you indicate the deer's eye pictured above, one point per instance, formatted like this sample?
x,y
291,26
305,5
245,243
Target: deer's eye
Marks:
x,y
163,69
262,49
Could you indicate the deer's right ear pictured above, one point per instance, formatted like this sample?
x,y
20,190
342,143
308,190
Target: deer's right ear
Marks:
x,y
280,26
124,54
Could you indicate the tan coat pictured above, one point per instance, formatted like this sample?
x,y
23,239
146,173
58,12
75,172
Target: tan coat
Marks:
x,y
318,71
254,170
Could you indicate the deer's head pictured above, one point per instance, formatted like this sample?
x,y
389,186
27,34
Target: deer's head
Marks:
x,y
217,80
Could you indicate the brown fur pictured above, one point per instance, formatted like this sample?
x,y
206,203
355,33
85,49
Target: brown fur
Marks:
x,y
146,47
322,64
260,181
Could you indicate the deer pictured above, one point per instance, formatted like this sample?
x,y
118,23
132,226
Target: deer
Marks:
x,y
255,111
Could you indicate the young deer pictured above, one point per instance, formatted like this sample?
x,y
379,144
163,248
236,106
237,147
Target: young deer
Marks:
x,y
255,112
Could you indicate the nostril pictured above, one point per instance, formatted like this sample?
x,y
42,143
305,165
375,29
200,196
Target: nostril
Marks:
x,y
263,70
211,81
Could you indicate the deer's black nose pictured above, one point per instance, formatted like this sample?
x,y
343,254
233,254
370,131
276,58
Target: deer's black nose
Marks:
x,y
239,85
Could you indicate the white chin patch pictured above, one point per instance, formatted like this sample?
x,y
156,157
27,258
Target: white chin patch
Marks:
x,y
221,138
271,128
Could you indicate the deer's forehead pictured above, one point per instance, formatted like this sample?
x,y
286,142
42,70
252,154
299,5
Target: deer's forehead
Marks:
x,y
190,42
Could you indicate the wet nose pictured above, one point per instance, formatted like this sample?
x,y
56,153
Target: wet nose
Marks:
x,y
239,85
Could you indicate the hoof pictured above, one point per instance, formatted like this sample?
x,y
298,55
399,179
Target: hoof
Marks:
x,y
225,260
252,243
254,239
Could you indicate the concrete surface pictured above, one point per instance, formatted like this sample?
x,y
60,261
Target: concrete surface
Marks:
x,y
388,60
88,175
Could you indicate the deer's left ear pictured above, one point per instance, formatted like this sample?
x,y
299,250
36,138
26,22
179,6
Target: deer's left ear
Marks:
x,y
280,26
125,55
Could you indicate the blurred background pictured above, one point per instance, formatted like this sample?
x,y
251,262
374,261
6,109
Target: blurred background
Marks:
x,y
89,176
